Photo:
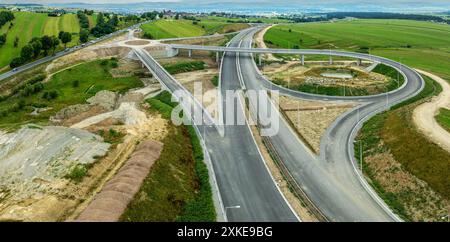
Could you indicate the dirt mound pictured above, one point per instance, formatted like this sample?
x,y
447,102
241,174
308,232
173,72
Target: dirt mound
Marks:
x,y
71,111
105,99
109,204
87,54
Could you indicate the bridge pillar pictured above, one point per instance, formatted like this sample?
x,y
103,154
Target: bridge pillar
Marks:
x,y
190,53
331,60
303,60
359,62
217,57
260,59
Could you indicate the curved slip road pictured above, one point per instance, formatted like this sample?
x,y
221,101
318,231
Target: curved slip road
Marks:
x,y
332,180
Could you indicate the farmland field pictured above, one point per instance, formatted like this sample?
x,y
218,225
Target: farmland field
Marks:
x,y
28,25
163,29
92,20
401,40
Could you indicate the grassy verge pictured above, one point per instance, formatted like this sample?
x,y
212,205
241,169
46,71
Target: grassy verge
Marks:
x,y
184,66
69,87
393,132
215,80
443,118
177,188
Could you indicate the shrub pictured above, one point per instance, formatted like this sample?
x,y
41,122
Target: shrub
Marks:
x,y
77,173
16,62
104,62
114,64
75,83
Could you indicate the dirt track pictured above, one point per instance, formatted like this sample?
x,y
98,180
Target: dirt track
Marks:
x,y
424,115
259,39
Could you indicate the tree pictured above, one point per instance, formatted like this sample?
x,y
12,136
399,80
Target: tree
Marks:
x,y
55,43
5,16
27,52
37,47
84,36
100,19
114,21
161,15
16,42
147,35
2,39
16,62
177,16
65,38
47,43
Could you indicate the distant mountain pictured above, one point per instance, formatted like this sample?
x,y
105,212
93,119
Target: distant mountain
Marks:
x,y
261,7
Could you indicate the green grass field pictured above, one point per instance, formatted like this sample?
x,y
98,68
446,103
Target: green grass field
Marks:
x,y
92,20
422,45
443,118
163,29
91,77
28,25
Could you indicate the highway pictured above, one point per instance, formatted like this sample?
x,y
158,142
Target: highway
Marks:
x,y
240,171
331,180
248,192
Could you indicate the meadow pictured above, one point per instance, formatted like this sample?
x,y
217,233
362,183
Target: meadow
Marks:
x,y
423,45
27,25
170,28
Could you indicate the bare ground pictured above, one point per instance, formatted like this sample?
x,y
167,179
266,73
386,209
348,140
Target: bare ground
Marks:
x,y
293,73
312,118
259,40
209,92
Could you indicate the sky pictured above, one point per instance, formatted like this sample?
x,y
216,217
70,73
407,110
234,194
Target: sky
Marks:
x,y
309,2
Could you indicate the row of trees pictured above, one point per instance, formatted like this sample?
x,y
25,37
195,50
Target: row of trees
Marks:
x,y
383,15
36,46
2,39
152,15
83,19
5,16
104,27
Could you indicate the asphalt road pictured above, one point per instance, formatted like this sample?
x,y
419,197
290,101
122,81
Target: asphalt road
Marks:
x,y
241,174
332,180
57,55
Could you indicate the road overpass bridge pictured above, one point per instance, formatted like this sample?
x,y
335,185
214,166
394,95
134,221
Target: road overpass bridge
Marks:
x,y
259,51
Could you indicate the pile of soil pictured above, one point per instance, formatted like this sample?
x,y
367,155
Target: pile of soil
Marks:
x,y
111,202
